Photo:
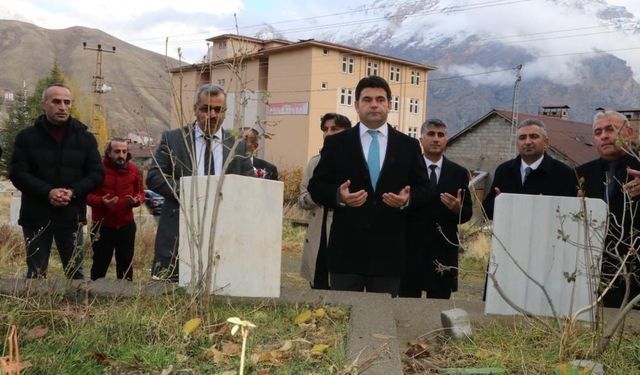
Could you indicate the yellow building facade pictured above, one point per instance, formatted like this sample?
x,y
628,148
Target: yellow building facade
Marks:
x,y
283,88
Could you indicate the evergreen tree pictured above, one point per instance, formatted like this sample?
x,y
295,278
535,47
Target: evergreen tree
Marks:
x,y
18,119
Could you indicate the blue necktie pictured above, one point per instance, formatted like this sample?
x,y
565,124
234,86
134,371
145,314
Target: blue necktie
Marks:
x,y
373,159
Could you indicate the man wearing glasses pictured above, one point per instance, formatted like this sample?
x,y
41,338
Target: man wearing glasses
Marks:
x,y
199,149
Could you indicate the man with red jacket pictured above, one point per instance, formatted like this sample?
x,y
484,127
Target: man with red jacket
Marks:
x,y
111,212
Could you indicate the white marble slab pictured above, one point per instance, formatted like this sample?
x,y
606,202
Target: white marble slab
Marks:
x,y
247,237
545,238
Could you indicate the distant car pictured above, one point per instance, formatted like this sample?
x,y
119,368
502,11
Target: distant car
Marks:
x,y
153,201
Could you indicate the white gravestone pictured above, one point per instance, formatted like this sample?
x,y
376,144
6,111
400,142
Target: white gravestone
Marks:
x,y
546,237
247,238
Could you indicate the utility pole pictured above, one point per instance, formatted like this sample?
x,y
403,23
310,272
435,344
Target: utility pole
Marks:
x,y
514,113
98,117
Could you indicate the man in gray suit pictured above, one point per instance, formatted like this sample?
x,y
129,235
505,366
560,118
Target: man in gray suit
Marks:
x,y
196,150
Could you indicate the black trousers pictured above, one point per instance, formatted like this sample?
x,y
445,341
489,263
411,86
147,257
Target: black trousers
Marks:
x,y
38,245
360,283
105,241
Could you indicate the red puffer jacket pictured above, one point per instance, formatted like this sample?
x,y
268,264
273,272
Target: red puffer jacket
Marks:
x,y
120,182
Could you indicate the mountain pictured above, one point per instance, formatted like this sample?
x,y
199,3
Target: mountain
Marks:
x,y
140,97
574,52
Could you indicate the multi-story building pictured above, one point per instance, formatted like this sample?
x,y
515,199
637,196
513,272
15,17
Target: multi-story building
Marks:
x,y
283,88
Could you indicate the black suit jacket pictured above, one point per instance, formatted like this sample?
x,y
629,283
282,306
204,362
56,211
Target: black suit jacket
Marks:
x,y
370,239
271,171
552,177
593,182
433,234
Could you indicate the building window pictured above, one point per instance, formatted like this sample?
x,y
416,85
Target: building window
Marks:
x,y
346,96
415,78
324,85
222,45
325,51
221,82
413,106
347,64
394,74
413,132
372,68
395,103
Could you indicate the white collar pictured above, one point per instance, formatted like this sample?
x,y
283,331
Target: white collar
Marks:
x,y
429,162
533,165
384,129
200,133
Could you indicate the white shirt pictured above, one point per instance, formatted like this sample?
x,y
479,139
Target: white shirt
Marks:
x,y
533,166
438,165
216,149
383,137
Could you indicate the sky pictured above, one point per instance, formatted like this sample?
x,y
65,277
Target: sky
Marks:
x,y
187,23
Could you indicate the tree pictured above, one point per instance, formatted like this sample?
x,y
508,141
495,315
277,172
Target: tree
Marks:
x,y
18,119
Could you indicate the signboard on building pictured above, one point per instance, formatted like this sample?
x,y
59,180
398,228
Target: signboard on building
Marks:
x,y
283,109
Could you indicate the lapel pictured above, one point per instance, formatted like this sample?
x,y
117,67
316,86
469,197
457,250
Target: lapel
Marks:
x,y
227,143
392,143
360,161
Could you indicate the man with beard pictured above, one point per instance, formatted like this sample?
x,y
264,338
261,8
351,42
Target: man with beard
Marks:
x,y
55,164
113,227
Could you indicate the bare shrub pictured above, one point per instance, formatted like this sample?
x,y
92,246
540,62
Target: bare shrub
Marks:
x,y
291,179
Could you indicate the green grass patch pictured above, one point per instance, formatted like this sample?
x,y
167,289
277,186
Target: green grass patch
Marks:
x,y
523,347
145,335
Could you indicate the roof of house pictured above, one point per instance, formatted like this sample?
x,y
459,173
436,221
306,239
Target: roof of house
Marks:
x,y
572,139
138,150
287,46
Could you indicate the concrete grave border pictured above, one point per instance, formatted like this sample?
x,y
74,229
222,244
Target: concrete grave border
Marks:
x,y
380,325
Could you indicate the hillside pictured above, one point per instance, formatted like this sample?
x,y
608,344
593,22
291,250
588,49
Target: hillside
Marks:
x,y
140,98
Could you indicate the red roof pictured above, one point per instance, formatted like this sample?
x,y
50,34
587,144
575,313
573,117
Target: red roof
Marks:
x,y
572,139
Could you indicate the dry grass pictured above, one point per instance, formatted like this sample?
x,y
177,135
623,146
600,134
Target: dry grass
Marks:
x,y
291,179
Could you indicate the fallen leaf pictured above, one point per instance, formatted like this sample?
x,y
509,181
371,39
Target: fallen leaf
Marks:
x,y
167,370
191,326
336,313
100,357
36,332
265,357
318,349
483,354
181,358
214,354
417,350
230,348
304,317
319,313
286,346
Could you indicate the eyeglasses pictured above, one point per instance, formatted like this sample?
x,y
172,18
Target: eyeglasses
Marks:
x,y
217,109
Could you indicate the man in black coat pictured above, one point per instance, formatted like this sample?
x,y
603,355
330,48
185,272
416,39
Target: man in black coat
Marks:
x,y
433,229
614,177
533,171
55,164
371,175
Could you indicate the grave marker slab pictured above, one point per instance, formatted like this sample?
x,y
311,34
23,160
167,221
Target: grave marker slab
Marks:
x,y
546,237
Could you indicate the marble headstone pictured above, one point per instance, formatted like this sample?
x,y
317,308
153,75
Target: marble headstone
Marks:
x,y
545,237
247,237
